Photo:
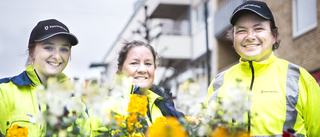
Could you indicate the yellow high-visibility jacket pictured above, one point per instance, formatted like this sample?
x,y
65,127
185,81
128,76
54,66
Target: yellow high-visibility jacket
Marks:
x,y
284,96
18,102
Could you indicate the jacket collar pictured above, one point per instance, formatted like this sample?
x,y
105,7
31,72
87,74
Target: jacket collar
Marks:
x,y
151,95
259,67
30,77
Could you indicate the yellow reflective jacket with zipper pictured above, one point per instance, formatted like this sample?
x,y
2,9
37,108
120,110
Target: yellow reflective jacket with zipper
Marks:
x,y
284,95
18,102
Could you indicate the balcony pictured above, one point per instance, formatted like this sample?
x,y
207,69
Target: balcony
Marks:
x,y
221,18
174,42
171,9
174,50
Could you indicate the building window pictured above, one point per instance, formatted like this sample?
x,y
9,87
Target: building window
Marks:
x,y
200,15
304,16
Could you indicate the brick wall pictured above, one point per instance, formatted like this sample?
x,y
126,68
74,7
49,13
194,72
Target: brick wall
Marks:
x,y
303,50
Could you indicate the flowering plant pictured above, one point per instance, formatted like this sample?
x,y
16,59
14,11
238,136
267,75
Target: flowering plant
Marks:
x,y
289,133
217,118
166,127
17,131
61,110
121,114
137,110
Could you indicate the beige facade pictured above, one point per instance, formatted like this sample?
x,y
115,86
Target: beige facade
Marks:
x,y
181,38
303,50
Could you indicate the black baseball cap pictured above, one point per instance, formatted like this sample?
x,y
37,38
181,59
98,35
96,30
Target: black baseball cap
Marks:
x,y
48,28
258,7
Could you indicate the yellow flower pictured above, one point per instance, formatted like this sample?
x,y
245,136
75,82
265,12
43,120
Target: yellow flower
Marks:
x,y
138,105
132,118
131,121
224,132
169,127
243,134
17,131
220,132
119,119
192,119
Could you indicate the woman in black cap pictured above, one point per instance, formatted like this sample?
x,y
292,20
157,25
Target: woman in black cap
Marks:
x,y
49,52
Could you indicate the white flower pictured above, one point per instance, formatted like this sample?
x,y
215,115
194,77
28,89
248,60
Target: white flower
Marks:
x,y
56,109
235,103
121,86
204,129
210,111
195,110
75,104
187,102
53,120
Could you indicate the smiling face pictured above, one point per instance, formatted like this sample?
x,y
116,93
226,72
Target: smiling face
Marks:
x,y
253,39
139,64
51,56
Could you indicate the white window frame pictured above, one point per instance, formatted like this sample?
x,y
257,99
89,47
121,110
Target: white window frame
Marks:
x,y
200,14
295,32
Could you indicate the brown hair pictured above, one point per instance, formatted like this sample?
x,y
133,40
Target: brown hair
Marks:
x,y
126,48
31,48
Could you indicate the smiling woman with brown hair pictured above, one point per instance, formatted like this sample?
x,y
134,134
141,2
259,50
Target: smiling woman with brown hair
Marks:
x,y
49,52
139,60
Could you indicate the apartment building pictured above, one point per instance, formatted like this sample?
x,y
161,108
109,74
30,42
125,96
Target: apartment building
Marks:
x,y
178,31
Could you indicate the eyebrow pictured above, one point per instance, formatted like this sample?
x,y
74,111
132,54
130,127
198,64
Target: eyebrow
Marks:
x,y
137,59
255,25
258,24
51,43
47,42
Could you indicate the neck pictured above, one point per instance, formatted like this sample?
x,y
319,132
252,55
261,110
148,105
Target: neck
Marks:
x,y
143,91
43,79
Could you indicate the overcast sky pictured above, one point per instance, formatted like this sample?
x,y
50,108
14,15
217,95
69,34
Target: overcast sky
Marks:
x,y
96,23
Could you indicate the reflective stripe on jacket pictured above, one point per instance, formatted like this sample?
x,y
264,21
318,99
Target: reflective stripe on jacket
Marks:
x,y
18,101
284,95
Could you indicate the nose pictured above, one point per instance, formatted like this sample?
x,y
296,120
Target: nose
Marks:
x,y
251,35
56,55
142,69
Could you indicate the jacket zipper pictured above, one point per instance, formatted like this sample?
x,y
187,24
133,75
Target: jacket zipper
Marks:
x,y
252,80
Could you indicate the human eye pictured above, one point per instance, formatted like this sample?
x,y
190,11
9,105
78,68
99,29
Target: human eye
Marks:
x,y
148,64
65,49
49,48
241,31
134,63
259,28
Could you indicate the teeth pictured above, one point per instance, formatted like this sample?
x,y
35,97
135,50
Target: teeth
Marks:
x,y
250,45
141,78
54,64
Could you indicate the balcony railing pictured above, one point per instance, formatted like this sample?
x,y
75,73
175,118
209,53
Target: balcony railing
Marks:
x,y
174,27
222,16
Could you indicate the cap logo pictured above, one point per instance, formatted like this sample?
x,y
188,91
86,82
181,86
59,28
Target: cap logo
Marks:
x,y
54,26
247,5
